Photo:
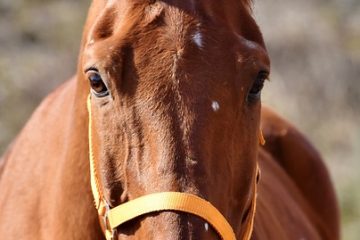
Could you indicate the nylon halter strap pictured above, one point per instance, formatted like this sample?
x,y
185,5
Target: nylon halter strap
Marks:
x,y
110,219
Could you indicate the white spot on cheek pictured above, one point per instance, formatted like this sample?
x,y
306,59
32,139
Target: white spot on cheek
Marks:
x,y
206,225
251,45
215,106
198,39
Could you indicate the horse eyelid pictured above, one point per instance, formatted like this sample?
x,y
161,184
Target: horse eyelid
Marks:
x,y
91,68
265,74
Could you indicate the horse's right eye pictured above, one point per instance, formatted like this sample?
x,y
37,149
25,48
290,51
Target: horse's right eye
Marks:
x,y
97,84
255,91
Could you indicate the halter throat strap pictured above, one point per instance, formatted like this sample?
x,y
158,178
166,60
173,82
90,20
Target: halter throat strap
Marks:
x,y
110,219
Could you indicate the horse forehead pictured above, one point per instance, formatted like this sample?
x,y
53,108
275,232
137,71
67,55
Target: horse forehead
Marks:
x,y
122,23
122,17
186,22
150,9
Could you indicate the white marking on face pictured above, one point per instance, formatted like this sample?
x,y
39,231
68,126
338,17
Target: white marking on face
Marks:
x,y
215,106
174,67
198,39
206,225
191,161
251,44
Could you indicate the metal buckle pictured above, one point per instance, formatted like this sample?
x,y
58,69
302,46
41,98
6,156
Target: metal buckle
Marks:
x,y
110,233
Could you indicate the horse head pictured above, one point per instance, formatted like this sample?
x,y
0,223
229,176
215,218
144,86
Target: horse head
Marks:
x,y
175,98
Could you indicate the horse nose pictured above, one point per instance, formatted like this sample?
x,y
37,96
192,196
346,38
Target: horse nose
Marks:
x,y
168,225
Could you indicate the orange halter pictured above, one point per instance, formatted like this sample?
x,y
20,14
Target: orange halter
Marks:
x,y
163,201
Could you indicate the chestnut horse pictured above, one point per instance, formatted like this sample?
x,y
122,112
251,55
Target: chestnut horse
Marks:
x,y
175,91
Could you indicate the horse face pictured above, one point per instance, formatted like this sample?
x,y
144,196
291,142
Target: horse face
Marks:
x,y
175,91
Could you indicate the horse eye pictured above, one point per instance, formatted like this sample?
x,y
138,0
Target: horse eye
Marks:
x,y
255,91
97,84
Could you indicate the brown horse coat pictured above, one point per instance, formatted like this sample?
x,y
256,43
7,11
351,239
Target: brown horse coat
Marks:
x,y
45,189
44,176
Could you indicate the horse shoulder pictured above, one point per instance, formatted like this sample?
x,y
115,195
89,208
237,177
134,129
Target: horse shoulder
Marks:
x,y
306,169
282,211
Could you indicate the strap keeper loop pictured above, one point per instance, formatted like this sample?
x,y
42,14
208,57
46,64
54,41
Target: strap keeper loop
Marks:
x,y
103,211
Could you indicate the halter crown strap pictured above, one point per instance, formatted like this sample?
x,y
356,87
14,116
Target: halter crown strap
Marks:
x,y
163,201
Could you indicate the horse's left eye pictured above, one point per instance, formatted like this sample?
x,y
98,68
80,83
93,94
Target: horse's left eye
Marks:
x,y
97,84
255,91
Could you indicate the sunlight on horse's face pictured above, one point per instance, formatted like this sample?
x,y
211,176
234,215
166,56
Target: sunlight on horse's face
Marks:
x,y
176,107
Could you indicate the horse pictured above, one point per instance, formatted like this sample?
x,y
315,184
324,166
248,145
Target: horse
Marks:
x,y
169,94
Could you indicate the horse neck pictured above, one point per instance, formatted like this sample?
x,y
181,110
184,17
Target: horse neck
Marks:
x,y
75,195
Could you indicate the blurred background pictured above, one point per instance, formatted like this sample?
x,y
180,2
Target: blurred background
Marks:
x,y
315,50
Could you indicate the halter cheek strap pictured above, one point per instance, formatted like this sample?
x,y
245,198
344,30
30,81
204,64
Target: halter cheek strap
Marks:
x,y
261,138
156,202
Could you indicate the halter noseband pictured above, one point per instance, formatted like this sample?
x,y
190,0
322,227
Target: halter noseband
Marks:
x,y
110,219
